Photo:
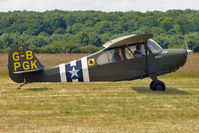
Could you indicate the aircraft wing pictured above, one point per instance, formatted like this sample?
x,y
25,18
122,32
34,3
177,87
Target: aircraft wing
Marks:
x,y
126,40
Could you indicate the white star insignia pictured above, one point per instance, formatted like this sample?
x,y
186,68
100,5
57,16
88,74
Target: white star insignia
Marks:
x,y
74,72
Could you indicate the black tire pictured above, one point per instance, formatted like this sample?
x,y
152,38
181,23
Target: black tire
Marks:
x,y
151,85
18,88
157,86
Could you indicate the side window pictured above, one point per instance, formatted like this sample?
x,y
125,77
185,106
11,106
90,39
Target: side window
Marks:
x,y
129,52
135,51
117,55
104,58
139,51
110,56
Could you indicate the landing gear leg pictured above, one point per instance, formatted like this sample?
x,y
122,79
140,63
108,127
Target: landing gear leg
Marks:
x,y
157,85
22,84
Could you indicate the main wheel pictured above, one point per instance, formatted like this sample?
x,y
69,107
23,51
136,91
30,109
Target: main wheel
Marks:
x,y
157,86
151,85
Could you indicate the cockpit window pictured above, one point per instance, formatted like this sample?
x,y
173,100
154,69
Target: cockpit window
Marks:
x,y
154,47
135,51
110,56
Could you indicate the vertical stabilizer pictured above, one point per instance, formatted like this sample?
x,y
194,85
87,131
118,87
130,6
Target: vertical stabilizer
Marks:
x,y
20,61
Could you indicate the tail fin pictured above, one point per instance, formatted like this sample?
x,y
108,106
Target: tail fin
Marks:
x,y
21,60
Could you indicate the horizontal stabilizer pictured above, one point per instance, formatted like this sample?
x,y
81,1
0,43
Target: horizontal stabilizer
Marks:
x,y
28,71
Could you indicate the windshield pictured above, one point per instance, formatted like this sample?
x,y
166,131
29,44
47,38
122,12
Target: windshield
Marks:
x,y
154,47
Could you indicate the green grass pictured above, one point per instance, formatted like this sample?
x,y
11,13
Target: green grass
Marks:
x,y
97,107
127,106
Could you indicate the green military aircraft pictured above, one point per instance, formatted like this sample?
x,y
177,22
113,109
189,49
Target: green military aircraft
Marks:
x,y
125,58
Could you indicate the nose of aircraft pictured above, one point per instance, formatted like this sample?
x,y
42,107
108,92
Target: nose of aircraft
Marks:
x,y
177,57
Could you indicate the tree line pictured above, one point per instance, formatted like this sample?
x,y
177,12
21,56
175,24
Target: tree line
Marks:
x,y
86,31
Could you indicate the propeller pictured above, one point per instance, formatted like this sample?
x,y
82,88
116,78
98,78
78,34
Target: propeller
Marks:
x,y
188,52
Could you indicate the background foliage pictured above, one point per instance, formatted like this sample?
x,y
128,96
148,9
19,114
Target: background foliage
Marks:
x,y
86,31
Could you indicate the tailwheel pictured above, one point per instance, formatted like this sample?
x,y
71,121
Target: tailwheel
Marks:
x,y
25,82
157,86
18,88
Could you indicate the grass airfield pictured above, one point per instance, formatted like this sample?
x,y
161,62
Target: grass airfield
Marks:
x,y
109,107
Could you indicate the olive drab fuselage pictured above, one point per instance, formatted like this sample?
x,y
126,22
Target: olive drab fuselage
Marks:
x,y
118,61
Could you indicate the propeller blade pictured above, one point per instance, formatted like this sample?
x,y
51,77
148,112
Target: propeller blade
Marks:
x,y
190,59
186,45
188,51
